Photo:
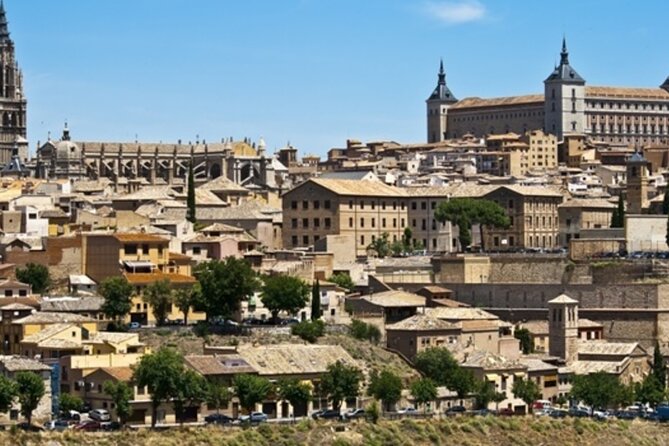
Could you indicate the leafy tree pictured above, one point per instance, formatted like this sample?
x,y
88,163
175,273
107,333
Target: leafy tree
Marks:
x,y
659,370
341,382
310,331
316,301
295,392
424,391
436,363
407,236
373,412
466,211
397,248
650,391
381,245
68,402
284,293
251,390
365,332
618,216
461,381
342,280
8,392
599,390
217,396
224,284
561,400
484,394
121,394
35,275
30,390
185,299
160,372
527,390
159,296
385,386
191,389
190,198
117,293
526,344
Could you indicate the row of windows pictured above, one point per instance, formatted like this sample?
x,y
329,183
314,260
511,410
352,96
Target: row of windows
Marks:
x,y
498,116
373,204
351,222
327,223
424,224
305,240
603,128
316,204
132,249
627,105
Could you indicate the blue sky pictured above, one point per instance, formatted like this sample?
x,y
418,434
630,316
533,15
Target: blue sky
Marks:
x,y
312,72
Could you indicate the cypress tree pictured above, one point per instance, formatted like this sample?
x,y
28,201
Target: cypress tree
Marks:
x,y
665,202
315,301
618,216
659,367
190,199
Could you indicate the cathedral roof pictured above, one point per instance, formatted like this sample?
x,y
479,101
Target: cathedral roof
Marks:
x,y
4,28
665,84
565,72
442,92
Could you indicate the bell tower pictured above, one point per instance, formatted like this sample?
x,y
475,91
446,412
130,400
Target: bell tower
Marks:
x,y
637,184
563,328
437,107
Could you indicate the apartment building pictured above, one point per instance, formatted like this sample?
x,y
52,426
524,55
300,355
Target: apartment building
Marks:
x,y
577,215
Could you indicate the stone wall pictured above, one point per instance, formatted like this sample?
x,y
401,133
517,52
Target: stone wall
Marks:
x,y
62,255
582,249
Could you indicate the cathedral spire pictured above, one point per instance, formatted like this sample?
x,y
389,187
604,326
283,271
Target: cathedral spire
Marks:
x,y
4,26
442,73
564,55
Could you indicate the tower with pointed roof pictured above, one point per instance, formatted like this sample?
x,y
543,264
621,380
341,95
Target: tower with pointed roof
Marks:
x,y
437,108
564,92
665,85
12,101
637,184
563,328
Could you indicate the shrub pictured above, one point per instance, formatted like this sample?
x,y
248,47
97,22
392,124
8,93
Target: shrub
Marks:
x,y
310,331
373,412
365,332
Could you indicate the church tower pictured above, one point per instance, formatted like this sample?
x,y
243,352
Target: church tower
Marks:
x,y
637,184
563,328
437,107
665,84
564,93
12,102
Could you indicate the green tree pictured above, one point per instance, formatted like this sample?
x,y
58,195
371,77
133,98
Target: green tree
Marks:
x,y
68,402
373,412
484,394
461,381
525,338
341,382
436,363
397,248
160,372
251,390
467,211
30,390
284,293
424,391
295,392
649,391
159,295
527,390
190,198
191,390
121,394
316,301
618,216
117,294
659,370
342,280
35,275
599,390
364,331
224,284
8,393
381,245
407,237
385,386
310,331
185,299
217,396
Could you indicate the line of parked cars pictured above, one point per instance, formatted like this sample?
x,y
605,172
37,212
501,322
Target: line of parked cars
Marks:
x,y
96,419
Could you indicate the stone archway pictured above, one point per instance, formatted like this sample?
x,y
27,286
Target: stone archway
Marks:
x,y
215,170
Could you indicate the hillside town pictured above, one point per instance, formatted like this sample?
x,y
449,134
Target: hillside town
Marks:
x,y
515,262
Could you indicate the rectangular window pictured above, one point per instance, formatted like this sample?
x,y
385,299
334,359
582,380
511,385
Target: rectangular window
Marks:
x,y
327,223
305,222
433,205
293,240
350,222
383,205
423,205
362,222
305,240
293,223
145,249
197,250
383,222
373,204
293,204
350,204
130,249
305,204
326,204
362,204
413,205
394,222
362,240
317,204
373,222
317,223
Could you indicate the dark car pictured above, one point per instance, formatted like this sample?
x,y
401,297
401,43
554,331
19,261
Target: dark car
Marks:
x,y
110,426
57,425
557,413
218,418
578,412
626,415
354,413
455,410
88,426
326,414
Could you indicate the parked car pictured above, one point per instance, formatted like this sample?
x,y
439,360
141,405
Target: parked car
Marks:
x,y
409,410
218,418
71,416
88,426
29,427
110,426
57,425
626,415
99,415
557,413
455,410
326,414
291,321
134,325
579,412
355,413
255,417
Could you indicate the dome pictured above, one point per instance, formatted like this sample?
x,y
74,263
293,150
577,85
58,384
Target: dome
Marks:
x,y
67,150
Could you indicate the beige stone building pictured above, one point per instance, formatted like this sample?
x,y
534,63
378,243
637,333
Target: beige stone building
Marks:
x,y
578,214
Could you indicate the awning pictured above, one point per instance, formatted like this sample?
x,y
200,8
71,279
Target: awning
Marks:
x,y
519,374
550,378
138,264
492,376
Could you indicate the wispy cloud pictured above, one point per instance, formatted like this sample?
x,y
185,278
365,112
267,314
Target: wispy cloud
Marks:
x,y
457,11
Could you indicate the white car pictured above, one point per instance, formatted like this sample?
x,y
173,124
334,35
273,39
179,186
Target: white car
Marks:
x,y
407,410
99,415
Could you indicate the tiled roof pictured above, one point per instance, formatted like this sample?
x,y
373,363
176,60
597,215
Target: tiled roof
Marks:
x,y
219,365
16,307
563,299
460,313
537,365
357,188
422,322
487,361
139,237
395,298
222,184
46,333
474,102
120,373
598,347
625,92
294,359
43,317
75,305
588,203
148,278
18,364
107,337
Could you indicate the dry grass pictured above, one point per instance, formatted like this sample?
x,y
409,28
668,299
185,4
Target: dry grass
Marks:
x,y
460,431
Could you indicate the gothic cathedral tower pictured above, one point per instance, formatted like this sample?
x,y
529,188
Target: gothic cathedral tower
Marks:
x,y
637,184
437,108
12,102
564,92
563,328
